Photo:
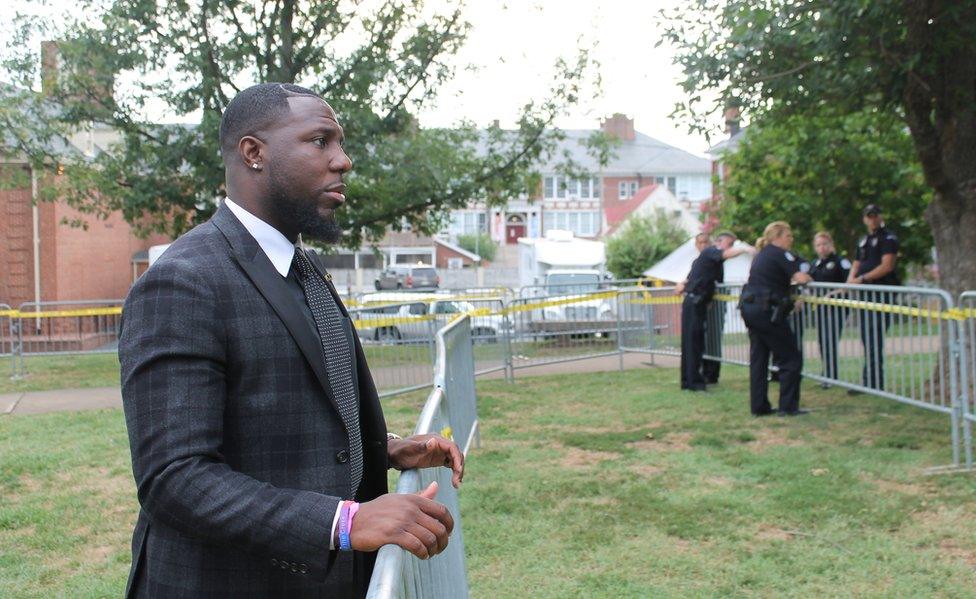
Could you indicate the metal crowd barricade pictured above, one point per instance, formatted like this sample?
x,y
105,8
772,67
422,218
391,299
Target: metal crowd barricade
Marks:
x,y
562,327
649,321
900,343
451,409
69,327
967,359
726,335
10,340
399,343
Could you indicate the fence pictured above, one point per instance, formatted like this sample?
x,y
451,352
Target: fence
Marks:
x,y
907,344
8,340
69,327
967,358
900,343
452,411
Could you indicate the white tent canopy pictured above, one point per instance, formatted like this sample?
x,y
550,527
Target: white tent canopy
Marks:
x,y
675,266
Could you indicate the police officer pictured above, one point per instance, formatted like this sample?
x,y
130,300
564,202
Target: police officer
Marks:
x,y
699,287
874,264
829,268
766,304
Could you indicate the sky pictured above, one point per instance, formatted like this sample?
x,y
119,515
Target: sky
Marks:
x,y
518,41
513,45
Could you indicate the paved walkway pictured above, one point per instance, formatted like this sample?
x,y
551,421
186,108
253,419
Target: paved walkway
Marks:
x,y
60,400
68,400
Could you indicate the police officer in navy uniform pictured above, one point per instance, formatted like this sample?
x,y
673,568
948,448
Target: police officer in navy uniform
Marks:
x,y
706,271
874,264
829,267
766,303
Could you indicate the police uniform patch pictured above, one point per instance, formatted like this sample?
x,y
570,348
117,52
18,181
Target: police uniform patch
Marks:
x,y
830,265
874,242
789,256
805,267
864,242
845,264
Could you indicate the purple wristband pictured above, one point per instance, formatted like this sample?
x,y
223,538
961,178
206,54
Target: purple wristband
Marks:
x,y
344,544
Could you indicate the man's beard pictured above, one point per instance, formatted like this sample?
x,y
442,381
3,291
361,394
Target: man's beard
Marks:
x,y
302,215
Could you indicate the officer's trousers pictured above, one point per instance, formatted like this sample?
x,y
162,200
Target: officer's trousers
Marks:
x,y
830,327
766,337
692,343
713,340
874,325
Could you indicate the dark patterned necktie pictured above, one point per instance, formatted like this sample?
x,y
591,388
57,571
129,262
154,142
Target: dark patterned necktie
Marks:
x,y
338,356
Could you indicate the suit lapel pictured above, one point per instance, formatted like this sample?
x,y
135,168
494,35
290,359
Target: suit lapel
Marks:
x,y
272,286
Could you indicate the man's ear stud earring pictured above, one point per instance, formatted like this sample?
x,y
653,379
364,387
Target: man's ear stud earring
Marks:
x,y
255,166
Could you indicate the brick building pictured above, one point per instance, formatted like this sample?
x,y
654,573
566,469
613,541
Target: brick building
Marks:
x,y
584,206
65,263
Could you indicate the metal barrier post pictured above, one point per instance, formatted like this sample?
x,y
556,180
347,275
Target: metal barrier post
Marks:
x,y
620,349
967,371
451,409
17,348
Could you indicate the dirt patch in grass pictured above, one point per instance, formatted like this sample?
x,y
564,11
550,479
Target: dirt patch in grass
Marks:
x,y
772,437
952,549
680,441
574,457
903,488
718,481
768,532
645,470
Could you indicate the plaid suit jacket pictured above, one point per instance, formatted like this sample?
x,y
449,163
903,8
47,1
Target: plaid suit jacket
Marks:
x,y
239,453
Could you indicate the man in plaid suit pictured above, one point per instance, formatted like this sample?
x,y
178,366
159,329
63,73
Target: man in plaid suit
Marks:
x,y
250,409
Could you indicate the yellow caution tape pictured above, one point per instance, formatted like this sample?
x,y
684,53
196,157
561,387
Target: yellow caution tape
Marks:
x,y
378,323
667,299
576,299
111,311
951,314
958,314
425,300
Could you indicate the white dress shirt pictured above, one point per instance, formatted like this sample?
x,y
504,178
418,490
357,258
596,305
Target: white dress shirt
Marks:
x,y
281,252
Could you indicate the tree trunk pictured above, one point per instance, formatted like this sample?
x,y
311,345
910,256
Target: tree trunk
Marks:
x,y
954,231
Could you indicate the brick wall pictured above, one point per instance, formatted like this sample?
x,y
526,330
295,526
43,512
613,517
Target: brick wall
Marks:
x,y
16,256
75,264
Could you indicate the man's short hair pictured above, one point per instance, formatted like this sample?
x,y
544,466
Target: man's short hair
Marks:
x,y
254,109
725,235
702,237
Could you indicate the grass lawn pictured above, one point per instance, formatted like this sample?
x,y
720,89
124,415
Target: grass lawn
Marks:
x,y
581,492
62,372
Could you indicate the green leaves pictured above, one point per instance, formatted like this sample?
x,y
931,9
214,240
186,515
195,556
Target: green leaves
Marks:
x,y
179,61
818,172
643,241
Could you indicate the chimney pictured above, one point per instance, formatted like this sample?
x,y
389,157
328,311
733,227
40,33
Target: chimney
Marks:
x,y
49,66
732,120
619,126
56,73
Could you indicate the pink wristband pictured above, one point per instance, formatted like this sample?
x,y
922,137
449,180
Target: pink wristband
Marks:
x,y
353,508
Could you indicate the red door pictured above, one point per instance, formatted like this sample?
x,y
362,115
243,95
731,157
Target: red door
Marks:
x,y
513,232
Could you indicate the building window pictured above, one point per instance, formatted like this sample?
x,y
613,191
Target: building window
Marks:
x,y
555,186
581,223
626,189
673,185
468,223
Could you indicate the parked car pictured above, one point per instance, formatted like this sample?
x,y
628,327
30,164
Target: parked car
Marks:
x,y
412,324
408,276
